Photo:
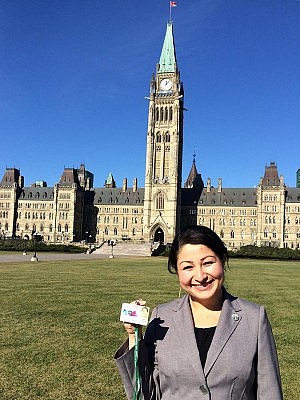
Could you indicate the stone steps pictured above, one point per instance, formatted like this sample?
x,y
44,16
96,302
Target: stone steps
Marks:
x,y
125,249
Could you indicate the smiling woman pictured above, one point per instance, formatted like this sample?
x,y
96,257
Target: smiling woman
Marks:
x,y
208,341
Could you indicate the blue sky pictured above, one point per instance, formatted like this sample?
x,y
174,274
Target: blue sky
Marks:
x,y
74,75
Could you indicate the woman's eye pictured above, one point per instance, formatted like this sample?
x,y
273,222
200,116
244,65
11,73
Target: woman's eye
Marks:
x,y
208,263
187,267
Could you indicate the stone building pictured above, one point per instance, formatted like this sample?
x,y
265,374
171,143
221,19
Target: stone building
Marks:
x,y
73,210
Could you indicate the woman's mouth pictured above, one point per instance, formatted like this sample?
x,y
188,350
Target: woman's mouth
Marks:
x,y
203,285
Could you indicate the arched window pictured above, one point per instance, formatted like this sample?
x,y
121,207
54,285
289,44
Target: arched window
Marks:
x,y
160,201
161,114
157,114
232,234
167,137
170,114
66,228
158,137
59,228
166,113
115,231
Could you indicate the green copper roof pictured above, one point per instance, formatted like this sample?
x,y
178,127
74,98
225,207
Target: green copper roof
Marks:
x,y
168,57
109,179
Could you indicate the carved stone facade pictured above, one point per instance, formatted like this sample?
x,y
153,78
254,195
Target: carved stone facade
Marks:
x,y
73,210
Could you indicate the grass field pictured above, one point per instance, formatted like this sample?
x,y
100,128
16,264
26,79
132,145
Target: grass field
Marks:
x,y
60,321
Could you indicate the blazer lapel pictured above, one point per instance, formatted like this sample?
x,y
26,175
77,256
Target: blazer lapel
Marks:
x,y
229,319
184,329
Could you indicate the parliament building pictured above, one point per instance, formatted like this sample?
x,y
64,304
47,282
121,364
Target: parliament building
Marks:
x,y
74,211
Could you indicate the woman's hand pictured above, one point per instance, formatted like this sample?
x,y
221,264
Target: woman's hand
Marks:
x,y
130,328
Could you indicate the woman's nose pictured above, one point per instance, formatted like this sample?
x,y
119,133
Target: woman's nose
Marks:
x,y
199,273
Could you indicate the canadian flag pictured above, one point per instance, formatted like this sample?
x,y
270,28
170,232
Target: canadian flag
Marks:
x,y
173,4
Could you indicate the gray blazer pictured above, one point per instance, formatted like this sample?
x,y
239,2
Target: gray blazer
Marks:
x,y
241,363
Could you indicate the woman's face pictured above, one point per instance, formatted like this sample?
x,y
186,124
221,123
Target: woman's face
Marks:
x,y
200,273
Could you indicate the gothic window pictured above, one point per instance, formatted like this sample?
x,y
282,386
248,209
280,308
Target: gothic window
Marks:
x,y
160,201
167,138
42,228
166,114
171,114
232,234
157,162
286,234
157,114
66,228
274,234
115,231
166,172
158,137
266,232
59,228
201,221
161,114
222,234
26,227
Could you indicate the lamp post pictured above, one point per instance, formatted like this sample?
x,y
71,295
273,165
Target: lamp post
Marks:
x,y
112,243
34,257
25,247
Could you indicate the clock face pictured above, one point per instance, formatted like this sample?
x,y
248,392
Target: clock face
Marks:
x,y
165,84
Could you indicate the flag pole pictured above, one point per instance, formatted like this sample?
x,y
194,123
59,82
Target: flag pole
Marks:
x,y
170,12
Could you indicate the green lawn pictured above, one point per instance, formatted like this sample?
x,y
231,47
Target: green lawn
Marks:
x,y
60,321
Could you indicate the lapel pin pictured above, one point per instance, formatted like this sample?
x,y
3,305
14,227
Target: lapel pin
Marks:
x,y
235,317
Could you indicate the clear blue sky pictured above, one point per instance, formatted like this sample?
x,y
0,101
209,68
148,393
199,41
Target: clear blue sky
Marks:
x,y
74,74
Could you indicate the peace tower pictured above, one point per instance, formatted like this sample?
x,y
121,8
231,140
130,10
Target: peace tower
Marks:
x,y
163,175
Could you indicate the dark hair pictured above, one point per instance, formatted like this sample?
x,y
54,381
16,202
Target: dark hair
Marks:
x,y
196,234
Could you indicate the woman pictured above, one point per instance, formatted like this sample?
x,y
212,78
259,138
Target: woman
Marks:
x,y
207,344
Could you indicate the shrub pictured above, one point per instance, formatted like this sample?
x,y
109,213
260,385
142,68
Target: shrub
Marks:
x,y
31,245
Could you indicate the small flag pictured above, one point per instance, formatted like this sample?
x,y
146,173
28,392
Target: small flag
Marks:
x,y
173,4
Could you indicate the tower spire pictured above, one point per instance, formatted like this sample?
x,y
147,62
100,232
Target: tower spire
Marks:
x,y
167,62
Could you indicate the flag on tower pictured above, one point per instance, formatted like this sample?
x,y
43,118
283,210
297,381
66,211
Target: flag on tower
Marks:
x,y
173,4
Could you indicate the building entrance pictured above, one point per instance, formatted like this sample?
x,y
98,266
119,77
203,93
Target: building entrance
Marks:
x,y
159,235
